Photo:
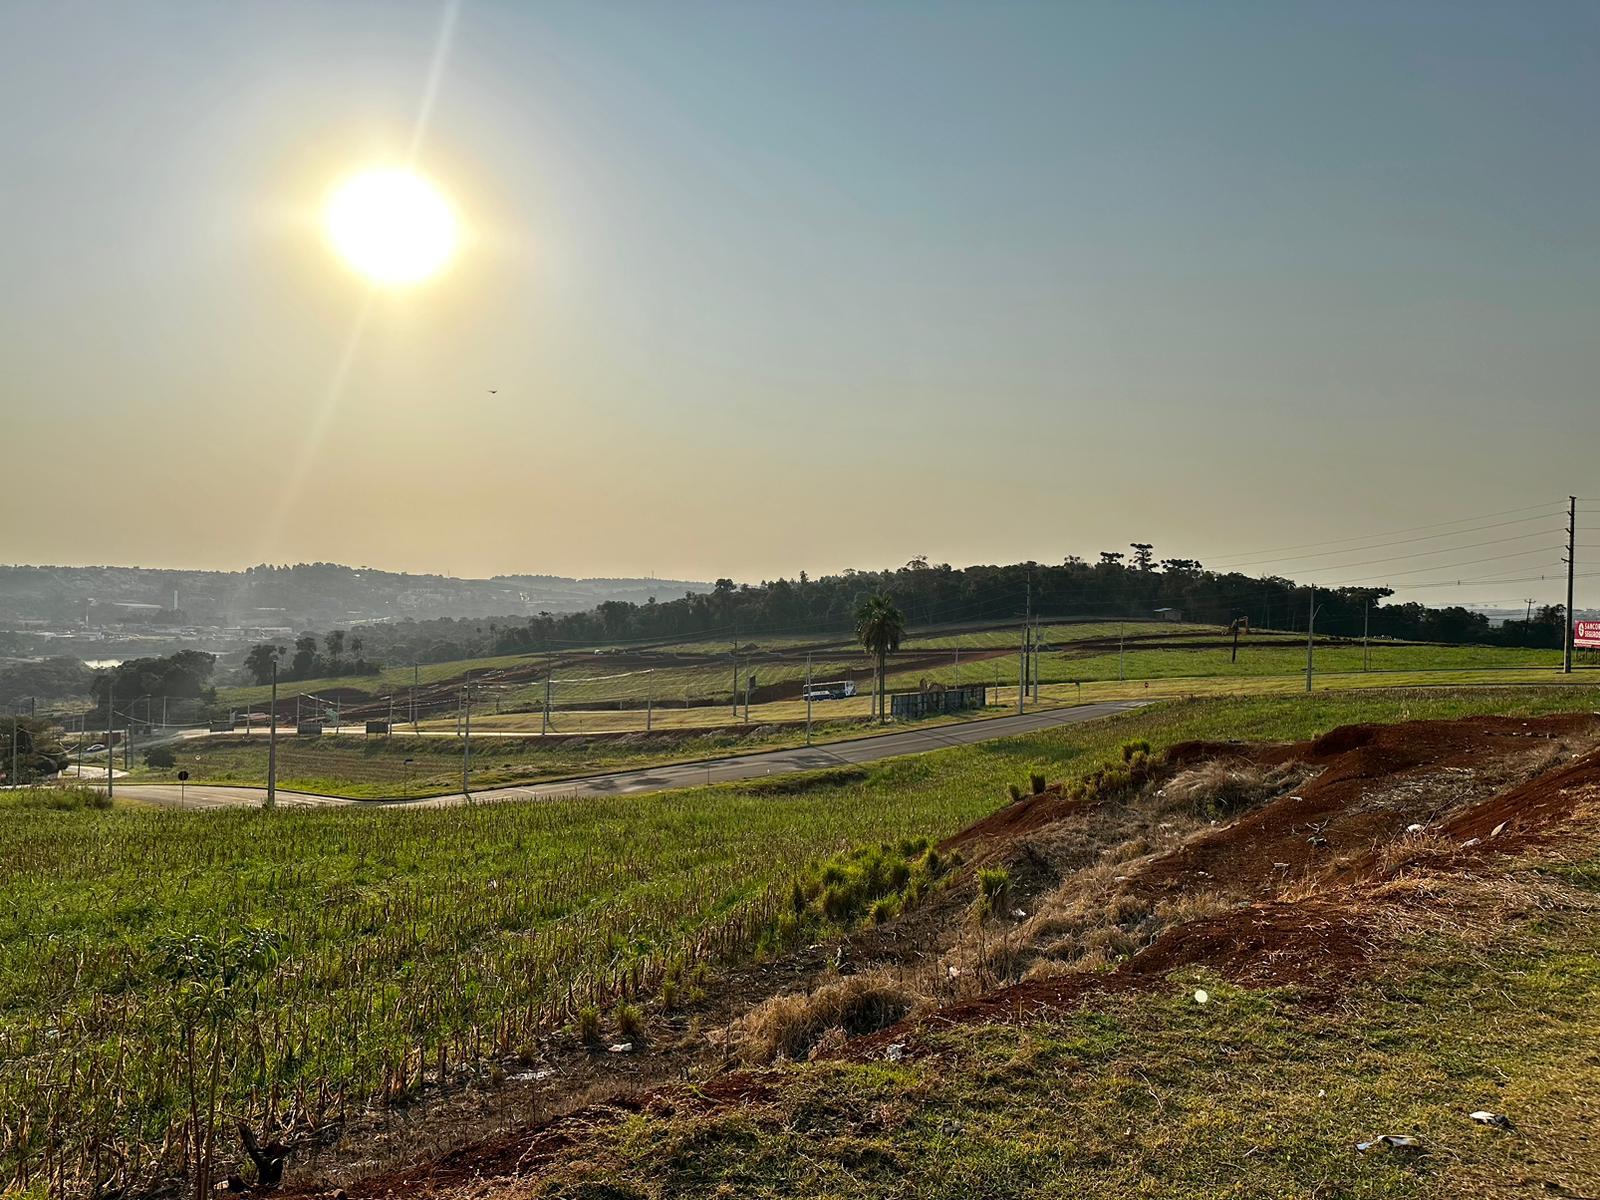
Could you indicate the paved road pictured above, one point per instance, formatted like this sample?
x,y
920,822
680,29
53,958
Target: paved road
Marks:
x,y
679,775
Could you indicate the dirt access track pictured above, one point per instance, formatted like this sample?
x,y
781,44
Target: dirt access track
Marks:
x,y
1292,866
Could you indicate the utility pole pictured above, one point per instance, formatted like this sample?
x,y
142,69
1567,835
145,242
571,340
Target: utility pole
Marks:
x,y
1038,644
1311,620
1366,624
1572,546
1022,653
649,703
466,744
272,739
416,674
388,730
1122,637
808,697
735,653
545,726
1022,673
16,736
749,683
111,729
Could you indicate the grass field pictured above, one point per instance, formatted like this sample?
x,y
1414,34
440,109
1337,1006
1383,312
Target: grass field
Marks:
x,y
688,683
1250,1097
357,766
160,968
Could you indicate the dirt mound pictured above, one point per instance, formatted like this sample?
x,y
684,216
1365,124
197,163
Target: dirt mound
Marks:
x,y
1311,944
1528,813
1012,822
1300,872
1375,782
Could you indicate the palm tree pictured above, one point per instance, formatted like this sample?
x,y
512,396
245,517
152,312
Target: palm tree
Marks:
x,y
879,628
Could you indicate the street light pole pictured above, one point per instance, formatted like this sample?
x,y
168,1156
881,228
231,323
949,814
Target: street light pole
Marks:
x,y
272,743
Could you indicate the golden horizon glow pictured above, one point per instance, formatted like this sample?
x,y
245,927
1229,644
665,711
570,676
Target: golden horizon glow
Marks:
x,y
391,225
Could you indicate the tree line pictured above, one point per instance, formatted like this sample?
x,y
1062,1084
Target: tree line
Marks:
x,y
1127,585
341,654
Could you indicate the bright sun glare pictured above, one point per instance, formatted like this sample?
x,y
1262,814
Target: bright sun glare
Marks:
x,y
391,225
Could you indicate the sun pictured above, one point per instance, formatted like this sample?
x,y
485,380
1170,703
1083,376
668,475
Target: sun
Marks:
x,y
391,225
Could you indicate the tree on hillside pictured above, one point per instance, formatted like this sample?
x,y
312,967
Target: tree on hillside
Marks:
x,y
185,675
304,662
335,644
879,628
259,661
1142,553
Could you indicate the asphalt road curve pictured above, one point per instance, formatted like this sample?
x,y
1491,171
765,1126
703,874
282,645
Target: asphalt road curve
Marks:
x,y
676,775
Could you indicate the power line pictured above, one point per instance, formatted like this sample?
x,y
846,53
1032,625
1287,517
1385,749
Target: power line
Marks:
x,y
1383,533
1428,553
1402,541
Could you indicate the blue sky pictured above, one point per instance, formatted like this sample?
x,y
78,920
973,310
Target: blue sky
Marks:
x,y
767,287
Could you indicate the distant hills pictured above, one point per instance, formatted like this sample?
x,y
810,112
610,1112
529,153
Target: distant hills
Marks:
x,y
305,595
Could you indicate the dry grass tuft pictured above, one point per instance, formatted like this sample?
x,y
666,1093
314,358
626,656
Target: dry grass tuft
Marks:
x,y
1224,786
792,1026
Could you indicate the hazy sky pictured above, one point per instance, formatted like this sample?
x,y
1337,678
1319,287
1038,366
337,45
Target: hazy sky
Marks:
x,y
768,287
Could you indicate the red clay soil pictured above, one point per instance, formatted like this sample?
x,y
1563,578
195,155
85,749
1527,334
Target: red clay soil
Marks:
x,y
1527,814
1334,824
1011,822
1359,800
519,1152
1311,945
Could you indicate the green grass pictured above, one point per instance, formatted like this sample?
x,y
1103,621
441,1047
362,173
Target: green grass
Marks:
x,y
702,672
1250,1096
327,956
361,767
393,680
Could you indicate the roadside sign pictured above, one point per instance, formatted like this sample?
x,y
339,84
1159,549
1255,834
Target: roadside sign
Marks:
x,y
183,776
1586,635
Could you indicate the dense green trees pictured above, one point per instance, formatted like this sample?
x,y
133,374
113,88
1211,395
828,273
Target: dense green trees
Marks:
x,y
55,678
1114,586
185,675
307,663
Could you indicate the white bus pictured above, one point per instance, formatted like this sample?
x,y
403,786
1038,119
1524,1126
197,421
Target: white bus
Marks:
x,y
837,690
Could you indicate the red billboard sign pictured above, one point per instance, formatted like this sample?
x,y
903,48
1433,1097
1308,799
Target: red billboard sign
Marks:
x,y
1586,635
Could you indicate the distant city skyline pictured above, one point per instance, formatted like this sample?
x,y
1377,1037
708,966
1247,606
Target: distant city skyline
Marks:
x,y
742,290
